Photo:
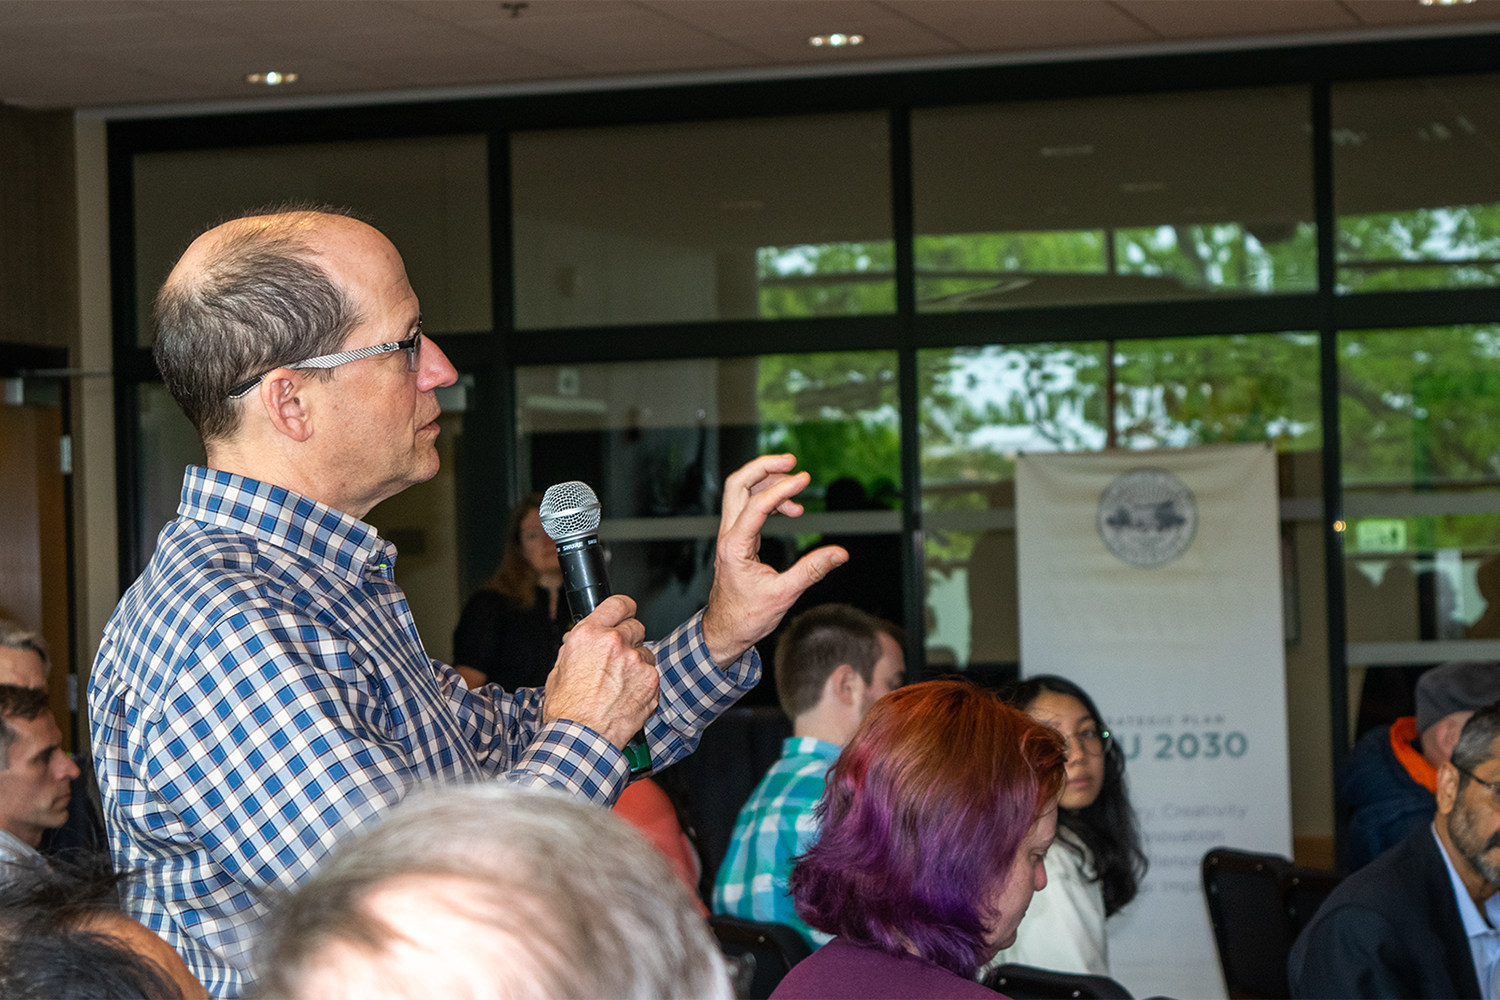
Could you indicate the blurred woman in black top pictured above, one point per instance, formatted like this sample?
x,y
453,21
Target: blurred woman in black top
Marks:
x,y
512,628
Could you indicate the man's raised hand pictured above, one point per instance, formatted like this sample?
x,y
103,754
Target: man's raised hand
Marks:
x,y
749,597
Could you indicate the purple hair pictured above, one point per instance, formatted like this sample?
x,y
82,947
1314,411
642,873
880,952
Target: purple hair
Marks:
x,y
923,815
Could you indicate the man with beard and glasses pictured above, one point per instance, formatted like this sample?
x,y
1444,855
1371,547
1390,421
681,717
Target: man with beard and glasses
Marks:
x,y
1423,919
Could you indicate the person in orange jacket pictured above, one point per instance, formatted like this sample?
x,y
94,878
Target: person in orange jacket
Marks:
x,y
1390,779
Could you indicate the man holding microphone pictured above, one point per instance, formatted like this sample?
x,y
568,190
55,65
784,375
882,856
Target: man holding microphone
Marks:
x,y
261,692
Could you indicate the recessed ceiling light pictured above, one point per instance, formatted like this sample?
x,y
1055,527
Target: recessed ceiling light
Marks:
x,y
835,40
271,79
1442,3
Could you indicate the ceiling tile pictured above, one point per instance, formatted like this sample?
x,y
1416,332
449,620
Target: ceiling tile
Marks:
x,y
813,16
1383,13
307,19
41,80
1026,24
15,12
442,66
500,65
221,70
618,37
393,45
1248,18
145,26
884,38
484,11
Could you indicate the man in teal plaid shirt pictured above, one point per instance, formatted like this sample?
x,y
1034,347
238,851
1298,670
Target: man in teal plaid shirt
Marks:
x,y
832,663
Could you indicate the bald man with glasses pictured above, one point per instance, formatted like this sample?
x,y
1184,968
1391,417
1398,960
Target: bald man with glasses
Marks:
x,y
261,693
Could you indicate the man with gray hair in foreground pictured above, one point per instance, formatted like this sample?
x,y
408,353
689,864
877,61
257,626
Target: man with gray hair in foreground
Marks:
x,y
493,892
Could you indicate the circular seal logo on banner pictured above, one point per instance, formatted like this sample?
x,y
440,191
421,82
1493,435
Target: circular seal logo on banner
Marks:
x,y
1147,518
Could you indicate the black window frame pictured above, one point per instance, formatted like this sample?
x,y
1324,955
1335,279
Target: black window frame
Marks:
x,y
494,355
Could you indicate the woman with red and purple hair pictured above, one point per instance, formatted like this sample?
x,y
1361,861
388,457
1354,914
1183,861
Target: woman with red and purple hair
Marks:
x,y
935,823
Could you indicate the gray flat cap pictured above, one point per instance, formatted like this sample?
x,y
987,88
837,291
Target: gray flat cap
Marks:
x,y
1456,687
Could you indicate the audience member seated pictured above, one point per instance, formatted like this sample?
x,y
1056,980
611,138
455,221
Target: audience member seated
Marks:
x,y
646,806
1096,864
63,937
23,656
549,897
1419,921
1391,774
832,663
24,662
512,627
36,784
936,821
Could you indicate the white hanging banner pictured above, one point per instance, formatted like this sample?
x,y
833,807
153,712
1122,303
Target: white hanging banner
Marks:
x,y
1152,580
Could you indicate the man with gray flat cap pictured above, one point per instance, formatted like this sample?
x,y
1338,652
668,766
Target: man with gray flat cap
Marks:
x,y
1390,779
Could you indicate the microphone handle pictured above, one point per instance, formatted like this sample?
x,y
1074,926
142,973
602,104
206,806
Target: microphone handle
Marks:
x,y
586,585
585,575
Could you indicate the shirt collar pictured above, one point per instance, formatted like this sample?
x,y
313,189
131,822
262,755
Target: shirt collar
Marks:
x,y
287,520
1475,924
14,849
810,746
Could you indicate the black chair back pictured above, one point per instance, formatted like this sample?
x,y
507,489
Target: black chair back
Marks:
x,y
735,752
772,949
1306,888
1024,982
1258,904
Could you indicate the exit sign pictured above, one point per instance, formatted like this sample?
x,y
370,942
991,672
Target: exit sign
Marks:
x,y
1380,535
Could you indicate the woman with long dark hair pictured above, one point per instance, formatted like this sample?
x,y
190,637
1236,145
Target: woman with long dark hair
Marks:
x,y
512,628
1096,865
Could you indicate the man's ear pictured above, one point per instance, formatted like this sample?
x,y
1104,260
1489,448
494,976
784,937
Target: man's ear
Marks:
x,y
842,683
1447,788
283,395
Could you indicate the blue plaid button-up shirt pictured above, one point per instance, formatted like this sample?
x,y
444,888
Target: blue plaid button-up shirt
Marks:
x,y
261,694
777,823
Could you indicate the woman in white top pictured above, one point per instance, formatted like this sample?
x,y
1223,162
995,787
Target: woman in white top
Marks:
x,y
1096,864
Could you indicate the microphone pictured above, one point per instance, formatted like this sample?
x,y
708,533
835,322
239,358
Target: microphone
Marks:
x,y
570,517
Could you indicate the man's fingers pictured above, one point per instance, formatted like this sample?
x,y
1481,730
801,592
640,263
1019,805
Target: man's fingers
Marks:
x,y
748,476
612,611
774,497
754,477
635,632
815,565
604,678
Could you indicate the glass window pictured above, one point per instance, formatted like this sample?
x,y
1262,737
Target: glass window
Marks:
x,y
430,196
1420,414
657,439
1113,199
1415,185
981,406
168,444
755,218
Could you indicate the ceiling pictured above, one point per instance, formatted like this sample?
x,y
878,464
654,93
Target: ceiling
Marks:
x,y
133,54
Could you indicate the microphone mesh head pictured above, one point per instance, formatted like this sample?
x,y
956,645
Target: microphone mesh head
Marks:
x,y
568,510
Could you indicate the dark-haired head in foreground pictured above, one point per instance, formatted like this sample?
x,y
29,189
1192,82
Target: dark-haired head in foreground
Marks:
x,y
924,822
63,937
1104,821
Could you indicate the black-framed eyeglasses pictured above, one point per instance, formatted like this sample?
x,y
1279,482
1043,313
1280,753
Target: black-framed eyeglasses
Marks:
x,y
411,345
1492,786
1091,742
